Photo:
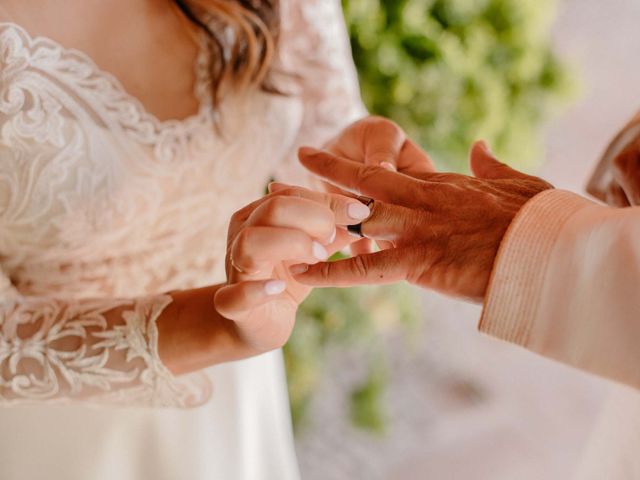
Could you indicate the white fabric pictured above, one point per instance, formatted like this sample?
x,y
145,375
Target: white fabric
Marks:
x,y
103,206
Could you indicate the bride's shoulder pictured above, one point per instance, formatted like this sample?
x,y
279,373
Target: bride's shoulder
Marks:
x,y
32,16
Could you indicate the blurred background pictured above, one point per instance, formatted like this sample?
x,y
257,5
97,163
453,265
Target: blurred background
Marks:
x,y
394,383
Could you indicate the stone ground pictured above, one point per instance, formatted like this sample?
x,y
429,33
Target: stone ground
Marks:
x,y
466,406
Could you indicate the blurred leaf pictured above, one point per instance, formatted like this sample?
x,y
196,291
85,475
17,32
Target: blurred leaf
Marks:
x,y
449,72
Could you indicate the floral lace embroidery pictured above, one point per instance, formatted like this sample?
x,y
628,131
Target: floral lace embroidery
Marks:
x,y
102,92
75,353
101,200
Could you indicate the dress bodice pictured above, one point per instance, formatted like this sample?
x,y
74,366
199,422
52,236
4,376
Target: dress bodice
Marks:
x,y
96,192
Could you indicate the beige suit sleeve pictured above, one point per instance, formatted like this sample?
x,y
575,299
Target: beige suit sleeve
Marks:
x,y
566,284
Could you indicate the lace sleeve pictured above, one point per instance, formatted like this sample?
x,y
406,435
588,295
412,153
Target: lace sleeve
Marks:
x,y
98,351
314,48
58,167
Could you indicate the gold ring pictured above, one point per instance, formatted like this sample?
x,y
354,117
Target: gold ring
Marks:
x,y
233,264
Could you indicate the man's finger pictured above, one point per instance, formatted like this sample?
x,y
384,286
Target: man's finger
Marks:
x,y
387,266
413,160
361,247
399,225
369,180
485,165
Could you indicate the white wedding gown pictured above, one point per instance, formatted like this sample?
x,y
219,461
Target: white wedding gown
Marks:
x,y
102,205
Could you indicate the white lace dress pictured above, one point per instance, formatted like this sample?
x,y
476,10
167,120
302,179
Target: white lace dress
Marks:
x,y
104,206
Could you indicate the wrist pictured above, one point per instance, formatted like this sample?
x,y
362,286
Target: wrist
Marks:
x,y
193,335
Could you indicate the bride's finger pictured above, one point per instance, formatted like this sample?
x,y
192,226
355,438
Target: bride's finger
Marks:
x,y
256,250
316,220
236,301
347,209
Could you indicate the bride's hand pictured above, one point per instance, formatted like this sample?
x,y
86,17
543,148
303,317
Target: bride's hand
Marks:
x,y
291,225
381,142
377,141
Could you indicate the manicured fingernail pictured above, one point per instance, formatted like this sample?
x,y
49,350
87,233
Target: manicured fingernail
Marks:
x,y
358,211
308,151
319,251
298,269
274,287
276,186
389,166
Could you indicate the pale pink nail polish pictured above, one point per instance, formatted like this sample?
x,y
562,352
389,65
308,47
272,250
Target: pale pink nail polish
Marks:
x,y
389,166
298,269
358,211
319,251
274,287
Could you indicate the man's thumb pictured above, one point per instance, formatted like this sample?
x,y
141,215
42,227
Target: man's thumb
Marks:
x,y
485,165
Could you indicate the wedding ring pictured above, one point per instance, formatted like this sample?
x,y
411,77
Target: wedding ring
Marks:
x,y
366,200
356,230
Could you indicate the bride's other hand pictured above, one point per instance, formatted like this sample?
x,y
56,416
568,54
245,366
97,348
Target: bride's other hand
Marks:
x,y
378,141
445,228
289,226
381,142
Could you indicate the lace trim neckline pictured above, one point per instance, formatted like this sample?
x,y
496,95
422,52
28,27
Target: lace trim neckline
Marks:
x,y
131,113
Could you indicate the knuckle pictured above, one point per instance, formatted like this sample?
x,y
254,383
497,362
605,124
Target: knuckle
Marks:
x,y
243,239
324,270
366,173
360,265
274,208
326,221
242,251
328,162
299,245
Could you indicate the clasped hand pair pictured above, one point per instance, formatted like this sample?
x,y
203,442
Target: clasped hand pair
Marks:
x,y
435,230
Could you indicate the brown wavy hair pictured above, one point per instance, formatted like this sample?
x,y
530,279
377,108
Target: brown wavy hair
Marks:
x,y
243,35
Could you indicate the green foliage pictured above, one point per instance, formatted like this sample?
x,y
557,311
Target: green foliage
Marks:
x,y
453,71
367,411
449,72
346,318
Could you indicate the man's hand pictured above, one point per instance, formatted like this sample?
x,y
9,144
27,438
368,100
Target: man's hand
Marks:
x,y
378,141
445,229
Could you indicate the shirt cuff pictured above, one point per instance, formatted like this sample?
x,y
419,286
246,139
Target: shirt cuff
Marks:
x,y
515,288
